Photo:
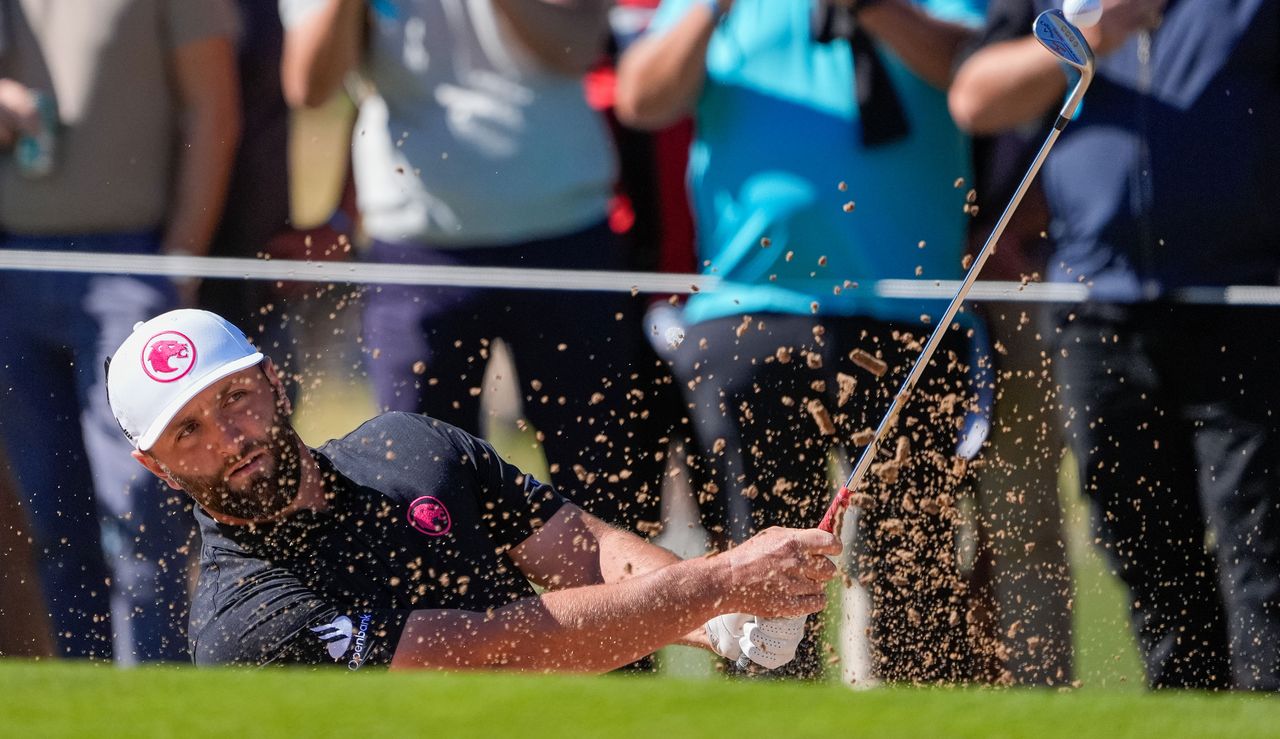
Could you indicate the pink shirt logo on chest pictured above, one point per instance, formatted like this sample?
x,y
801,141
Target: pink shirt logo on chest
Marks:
x,y
429,516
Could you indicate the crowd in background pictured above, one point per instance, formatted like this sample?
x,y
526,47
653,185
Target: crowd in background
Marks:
x,y
793,150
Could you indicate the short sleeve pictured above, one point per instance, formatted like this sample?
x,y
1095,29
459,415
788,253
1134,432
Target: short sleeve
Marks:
x,y
189,21
250,613
513,504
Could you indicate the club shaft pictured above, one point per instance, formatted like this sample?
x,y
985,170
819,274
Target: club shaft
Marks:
x,y
868,454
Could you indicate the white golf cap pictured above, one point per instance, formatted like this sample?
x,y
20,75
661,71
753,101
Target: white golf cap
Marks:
x,y
165,363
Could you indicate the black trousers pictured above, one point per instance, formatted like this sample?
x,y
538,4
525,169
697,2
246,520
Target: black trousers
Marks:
x,y
1174,417
752,382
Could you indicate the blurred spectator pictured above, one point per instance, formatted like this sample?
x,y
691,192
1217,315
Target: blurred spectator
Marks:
x,y
256,220
257,205
787,145
1021,568
650,204
130,106
477,148
26,632
1169,178
650,211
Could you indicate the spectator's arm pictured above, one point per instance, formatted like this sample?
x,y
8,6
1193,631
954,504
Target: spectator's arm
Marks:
x,y
565,35
209,98
660,77
1004,85
17,112
319,50
927,45
1013,79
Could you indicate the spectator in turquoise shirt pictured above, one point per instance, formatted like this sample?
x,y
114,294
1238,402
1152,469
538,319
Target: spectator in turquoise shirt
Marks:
x,y
824,159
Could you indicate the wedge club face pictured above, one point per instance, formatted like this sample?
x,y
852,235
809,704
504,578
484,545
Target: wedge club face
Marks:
x,y
1063,40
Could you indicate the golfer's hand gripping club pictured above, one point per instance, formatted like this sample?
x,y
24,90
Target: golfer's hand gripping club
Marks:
x,y
779,577
784,573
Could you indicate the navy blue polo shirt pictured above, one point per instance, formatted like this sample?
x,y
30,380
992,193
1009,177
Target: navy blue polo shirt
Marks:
x,y
420,516
1169,177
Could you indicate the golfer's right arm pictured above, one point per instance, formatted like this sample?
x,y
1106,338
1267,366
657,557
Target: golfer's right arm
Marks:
x,y
597,628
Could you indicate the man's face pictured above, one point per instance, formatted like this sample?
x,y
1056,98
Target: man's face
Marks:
x,y
231,447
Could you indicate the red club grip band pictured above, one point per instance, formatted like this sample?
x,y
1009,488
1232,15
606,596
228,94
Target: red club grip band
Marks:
x,y
834,510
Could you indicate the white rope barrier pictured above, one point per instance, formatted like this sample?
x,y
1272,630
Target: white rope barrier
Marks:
x,y
354,272
522,278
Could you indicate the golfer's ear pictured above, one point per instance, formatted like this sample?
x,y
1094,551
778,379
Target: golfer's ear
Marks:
x,y
154,468
273,376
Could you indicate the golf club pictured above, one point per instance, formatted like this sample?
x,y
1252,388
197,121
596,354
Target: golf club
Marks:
x,y
1064,41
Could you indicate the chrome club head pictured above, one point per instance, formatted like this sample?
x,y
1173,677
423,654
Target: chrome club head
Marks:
x,y
1063,40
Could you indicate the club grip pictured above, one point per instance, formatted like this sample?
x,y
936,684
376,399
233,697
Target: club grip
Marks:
x,y
834,511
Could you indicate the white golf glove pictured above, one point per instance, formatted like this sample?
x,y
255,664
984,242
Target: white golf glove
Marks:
x,y
725,634
769,643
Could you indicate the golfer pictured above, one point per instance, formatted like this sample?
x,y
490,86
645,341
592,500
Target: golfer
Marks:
x,y
412,544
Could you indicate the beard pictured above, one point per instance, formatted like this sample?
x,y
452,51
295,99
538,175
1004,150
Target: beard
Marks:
x,y
263,494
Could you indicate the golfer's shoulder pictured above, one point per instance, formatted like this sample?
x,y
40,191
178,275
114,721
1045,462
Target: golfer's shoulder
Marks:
x,y
405,452
397,436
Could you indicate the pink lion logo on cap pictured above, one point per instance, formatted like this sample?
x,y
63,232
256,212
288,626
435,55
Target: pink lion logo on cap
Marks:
x,y
429,516
168,356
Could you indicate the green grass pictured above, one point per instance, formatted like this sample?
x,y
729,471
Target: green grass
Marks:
x,y
79,700
1105,652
